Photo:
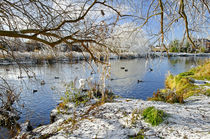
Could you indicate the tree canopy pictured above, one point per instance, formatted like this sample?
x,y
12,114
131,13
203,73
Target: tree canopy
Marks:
x,y
92,22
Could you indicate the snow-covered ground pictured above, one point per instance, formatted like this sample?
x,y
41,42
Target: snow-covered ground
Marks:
x,y
114,121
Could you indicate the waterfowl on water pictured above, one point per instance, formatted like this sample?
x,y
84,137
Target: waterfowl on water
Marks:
x,y
111,79
139,81
20,77
34,91
150,69
42,82
56,77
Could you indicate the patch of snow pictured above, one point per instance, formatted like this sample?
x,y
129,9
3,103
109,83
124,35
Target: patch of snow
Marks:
x,y
113,120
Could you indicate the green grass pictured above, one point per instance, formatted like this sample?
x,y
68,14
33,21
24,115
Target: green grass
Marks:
x,y
153,116
79,98
174,49
180,87
202,72
72,95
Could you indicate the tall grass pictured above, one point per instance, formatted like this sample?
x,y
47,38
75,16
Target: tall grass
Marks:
x,y
181,86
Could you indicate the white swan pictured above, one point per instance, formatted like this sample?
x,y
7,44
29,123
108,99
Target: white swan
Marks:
x,y
84,83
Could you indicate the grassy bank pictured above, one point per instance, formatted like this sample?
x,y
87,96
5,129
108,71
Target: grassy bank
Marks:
x,y
186,84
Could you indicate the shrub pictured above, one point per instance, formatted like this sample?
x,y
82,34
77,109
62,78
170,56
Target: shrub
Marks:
x,y
78,96
202,49
74,95
174,46
153,116
173,49
167,96
96,92
135,116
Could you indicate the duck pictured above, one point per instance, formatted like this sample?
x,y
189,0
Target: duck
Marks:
x,y
42,82
34,91
20,77
56,77
111,79
139,81
92,72
150,69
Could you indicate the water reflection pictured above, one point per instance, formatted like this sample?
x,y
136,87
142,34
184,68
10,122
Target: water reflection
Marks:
x,y
124,73
124,81
127,85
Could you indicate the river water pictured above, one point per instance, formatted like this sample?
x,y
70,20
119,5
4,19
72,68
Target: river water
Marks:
x,y
37,101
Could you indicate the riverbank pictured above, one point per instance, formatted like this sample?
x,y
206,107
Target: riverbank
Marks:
x,y
182,54
187,117
118,120
43,57
49,57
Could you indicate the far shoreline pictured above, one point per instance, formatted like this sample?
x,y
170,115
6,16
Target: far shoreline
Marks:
x,y
37,58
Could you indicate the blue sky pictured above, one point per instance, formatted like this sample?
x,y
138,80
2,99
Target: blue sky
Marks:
x,y
178,28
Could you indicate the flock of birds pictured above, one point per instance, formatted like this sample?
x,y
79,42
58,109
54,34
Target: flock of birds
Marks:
x,y
83,82
138,81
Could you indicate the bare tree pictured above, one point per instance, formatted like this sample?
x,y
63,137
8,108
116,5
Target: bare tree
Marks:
x,y
58,21
86,23
191,15
90,23
8,97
